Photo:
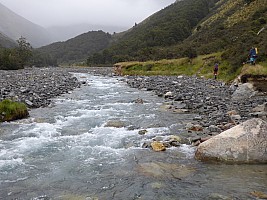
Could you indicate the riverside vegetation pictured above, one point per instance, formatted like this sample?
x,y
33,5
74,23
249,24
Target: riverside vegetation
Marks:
x,y
201,66
10,111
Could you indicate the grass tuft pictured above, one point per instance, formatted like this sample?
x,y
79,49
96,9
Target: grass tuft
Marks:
x,y
10,111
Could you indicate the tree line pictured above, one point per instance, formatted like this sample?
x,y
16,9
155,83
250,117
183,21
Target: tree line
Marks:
x,y
24,55
16,58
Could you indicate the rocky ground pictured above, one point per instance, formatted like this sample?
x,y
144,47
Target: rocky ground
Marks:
x,y
36,86
217,106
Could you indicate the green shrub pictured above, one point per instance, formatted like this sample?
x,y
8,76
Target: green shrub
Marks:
x,y
10,111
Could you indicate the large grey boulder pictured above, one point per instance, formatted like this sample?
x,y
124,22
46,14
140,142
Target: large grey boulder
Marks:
x,y
244,143
244,91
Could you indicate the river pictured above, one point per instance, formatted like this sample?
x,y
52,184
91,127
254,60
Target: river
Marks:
x,y
66,152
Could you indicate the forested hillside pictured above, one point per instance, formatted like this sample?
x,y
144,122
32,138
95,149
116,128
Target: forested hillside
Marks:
x,y
165,28
76,49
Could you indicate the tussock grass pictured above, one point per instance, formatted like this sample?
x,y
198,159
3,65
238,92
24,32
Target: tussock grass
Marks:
x,y
245,12
201,66
12,110
222,12
258,69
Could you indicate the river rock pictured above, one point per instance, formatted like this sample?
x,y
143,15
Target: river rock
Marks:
x,y
168,94
115,124
244,143
259,194
142,132
194,127
216,196
158,146
260,108
165,170
244,91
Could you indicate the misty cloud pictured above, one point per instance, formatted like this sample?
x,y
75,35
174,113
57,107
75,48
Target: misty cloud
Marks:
x,y
122,13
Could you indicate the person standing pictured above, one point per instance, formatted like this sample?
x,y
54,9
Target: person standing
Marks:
x,y
252,55
215,70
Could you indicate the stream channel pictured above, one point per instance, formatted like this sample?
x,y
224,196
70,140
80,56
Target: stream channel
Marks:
x,y
65,152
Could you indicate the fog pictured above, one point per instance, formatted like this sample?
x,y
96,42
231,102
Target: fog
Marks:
x,y
123,13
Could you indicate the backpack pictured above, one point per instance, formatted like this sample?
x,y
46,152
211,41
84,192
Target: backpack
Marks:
x,y
216,67
256,49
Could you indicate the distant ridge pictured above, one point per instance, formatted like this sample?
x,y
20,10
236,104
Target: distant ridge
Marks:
x,y
63,33
15,26
78,48
6,42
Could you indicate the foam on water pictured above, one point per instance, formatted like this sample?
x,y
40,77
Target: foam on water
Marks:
x,y
188,150
73,101
11,163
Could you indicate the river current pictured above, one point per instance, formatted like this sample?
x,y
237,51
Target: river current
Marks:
x,y
66,152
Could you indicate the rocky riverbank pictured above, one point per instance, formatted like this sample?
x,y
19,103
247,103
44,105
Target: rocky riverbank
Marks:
x,y
36,86
217,106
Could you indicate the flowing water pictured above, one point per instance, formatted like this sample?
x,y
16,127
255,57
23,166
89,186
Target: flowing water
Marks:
x,y
67,152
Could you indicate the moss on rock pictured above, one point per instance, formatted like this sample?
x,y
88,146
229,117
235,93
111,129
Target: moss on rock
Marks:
x,y
10,111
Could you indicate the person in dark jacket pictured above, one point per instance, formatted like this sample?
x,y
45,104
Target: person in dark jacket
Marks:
x,y
215,70
252,56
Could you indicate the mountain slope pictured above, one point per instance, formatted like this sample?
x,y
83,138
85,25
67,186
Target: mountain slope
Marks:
x,y
231,28
192,27
6,42
166,28
78,48
15,26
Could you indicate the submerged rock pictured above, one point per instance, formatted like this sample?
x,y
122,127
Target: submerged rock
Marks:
x,y
259,194
115,124
165,170
244,143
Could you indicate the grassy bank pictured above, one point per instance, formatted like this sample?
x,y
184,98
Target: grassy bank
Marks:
x,y
258,69
200,66
12,110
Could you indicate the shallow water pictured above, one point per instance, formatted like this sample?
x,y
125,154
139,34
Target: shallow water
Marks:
x,y
67,152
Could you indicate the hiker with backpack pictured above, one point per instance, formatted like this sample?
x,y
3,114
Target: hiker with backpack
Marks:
x,y
253,55
215,70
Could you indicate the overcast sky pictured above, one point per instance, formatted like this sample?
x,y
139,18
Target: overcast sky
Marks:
x,y
122,13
